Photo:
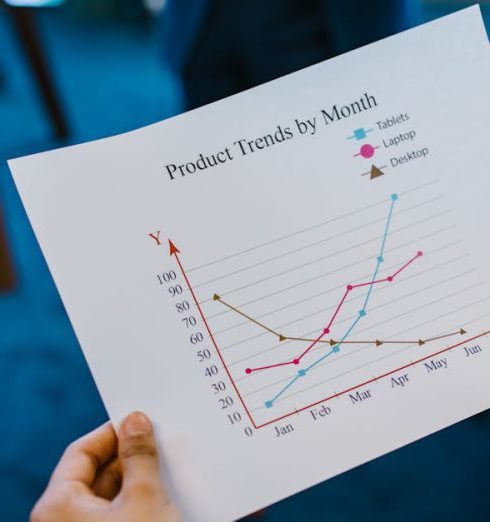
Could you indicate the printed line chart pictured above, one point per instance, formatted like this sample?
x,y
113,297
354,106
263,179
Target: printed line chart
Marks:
x,y
300,320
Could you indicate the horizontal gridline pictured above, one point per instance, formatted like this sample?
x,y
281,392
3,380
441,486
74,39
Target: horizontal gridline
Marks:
x,y
365,329
338,287
334,271
328,256
325,309
292,234
316,243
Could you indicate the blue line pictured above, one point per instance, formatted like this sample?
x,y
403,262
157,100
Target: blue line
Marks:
x,y
370,290
322,358
336,348
394,198
284,389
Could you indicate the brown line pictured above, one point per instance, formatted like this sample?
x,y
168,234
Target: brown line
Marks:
x,y
287,338
350,342
442,337
248,317
382,342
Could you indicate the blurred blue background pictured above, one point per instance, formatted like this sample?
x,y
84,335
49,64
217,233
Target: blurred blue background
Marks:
x,y
118,65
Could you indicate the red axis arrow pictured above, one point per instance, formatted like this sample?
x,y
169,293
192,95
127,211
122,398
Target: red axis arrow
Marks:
x,y
174,251
173,248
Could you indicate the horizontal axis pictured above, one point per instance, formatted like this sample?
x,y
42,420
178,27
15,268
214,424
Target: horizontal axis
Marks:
x,y
374,379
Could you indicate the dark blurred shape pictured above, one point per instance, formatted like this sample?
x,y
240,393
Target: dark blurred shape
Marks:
x,y
24,21
2,77
110,10
6,269
221,47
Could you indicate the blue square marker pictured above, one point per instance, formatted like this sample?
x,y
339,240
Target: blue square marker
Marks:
x,y
301,373
394,197
359,134
381,259
362,313
268,404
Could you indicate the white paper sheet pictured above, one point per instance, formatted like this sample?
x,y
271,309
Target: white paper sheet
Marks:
x,y
343,231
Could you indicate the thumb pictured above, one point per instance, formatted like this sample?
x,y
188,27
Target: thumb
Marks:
x,y
138,455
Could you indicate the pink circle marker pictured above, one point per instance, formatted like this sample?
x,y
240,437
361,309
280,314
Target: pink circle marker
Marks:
x,y
296,361
367,151
326,331
350,287
420,253
248,371
390,279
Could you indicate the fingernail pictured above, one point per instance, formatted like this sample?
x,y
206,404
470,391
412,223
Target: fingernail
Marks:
x,y
137,423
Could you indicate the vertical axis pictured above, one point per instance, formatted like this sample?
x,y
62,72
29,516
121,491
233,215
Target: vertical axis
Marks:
x,y
175,252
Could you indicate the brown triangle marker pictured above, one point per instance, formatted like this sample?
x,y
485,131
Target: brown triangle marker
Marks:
x,y
376,172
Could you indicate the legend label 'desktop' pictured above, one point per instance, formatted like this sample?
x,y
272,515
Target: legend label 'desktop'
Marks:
x,y
389,143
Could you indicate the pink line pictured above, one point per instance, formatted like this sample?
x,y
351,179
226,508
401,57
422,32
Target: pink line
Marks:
x,y
407,264
371,283
336,313
277,365
349,288
316,341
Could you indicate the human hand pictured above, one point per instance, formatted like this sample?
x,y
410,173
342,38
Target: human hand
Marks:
x,y
105,478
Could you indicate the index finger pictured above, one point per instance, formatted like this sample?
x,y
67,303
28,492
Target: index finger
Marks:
x,y
85,456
